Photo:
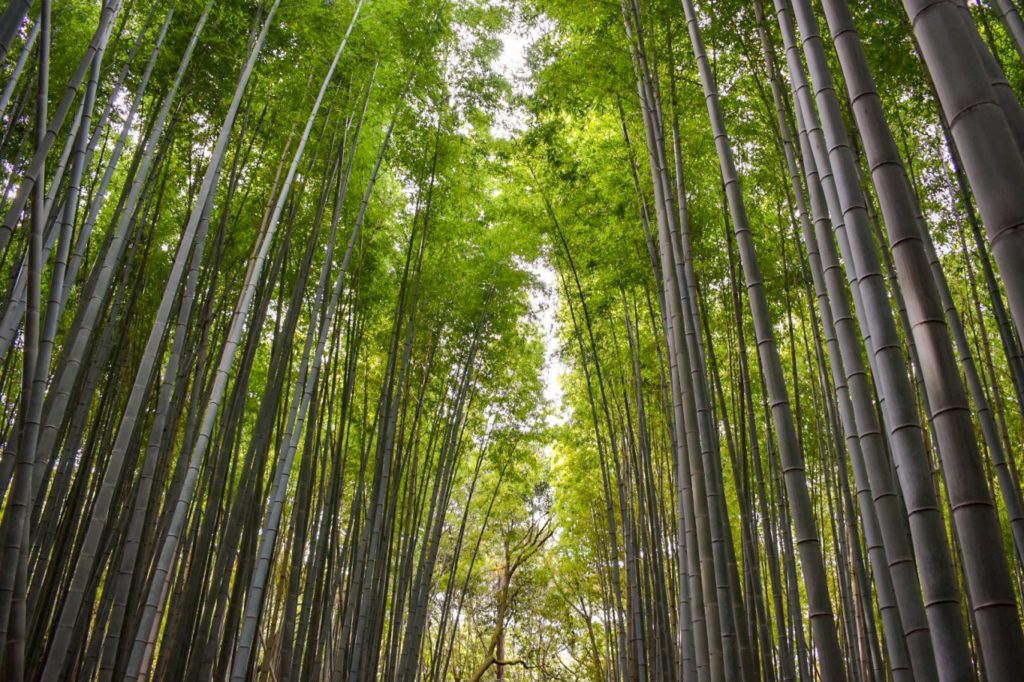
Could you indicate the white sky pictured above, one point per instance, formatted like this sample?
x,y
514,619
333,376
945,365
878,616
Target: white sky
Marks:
x,y
544,300
511,63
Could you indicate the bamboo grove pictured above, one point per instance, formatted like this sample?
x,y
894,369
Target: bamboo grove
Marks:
x,y
511,340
